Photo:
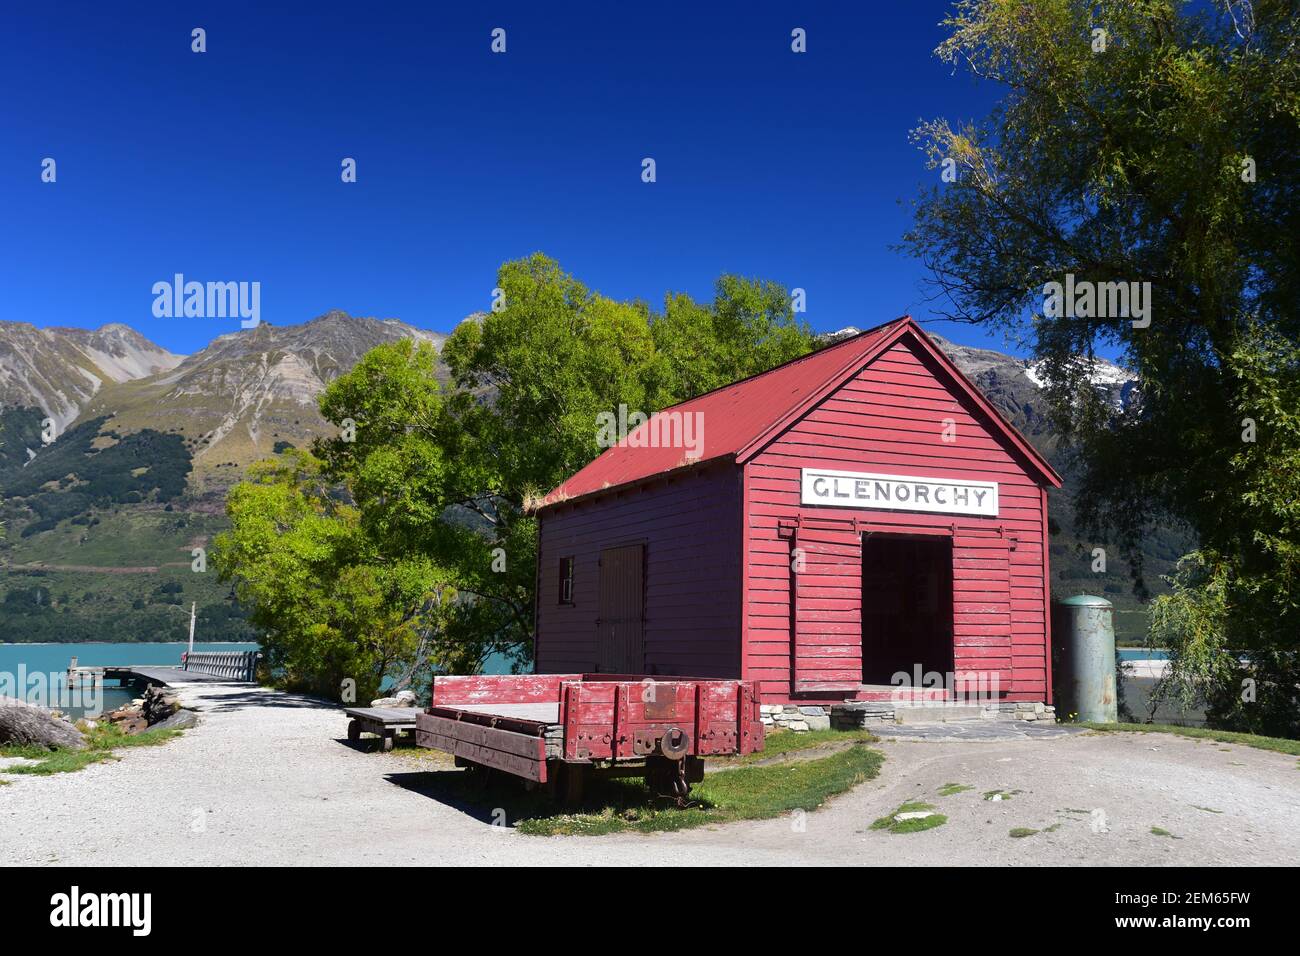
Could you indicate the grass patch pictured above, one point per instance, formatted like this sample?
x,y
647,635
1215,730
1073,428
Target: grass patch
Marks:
x,y
948,789
1206,809
1161,832
735,793
999,795
1020,833
782,742
100,745
914,824
1276,744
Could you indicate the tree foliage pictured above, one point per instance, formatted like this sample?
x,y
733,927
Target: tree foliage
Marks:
x,y
337,620
1166,155
405,542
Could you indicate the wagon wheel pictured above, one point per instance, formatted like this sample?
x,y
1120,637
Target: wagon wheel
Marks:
x,y
572,780
479,775
354,731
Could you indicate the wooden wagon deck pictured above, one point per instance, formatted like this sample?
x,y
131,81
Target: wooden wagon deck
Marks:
x,y
387,723
533,726
537,713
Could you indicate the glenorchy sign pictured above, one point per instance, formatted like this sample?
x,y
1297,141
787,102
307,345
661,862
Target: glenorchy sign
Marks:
x,y
855,489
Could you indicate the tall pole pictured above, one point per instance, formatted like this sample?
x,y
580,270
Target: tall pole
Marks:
x,y
192,607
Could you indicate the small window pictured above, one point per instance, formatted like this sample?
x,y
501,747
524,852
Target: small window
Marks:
x,y
566,580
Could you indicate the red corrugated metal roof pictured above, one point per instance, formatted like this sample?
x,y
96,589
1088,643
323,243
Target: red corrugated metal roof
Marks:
x,y
732,417
737,417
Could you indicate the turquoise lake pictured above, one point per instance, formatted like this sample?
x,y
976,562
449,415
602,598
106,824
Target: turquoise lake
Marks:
x,y
1142,654
50,662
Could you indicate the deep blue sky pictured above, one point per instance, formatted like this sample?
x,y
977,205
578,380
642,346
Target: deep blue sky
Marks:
x,y
225,165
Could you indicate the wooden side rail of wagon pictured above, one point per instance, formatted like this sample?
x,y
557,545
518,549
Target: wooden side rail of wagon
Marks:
x,y
387,723
555,730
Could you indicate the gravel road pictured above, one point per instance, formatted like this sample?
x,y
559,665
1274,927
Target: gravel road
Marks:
x,y
267,778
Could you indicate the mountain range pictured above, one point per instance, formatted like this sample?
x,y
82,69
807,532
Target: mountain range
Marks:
x,y
59,370
231,403
234,401
105,518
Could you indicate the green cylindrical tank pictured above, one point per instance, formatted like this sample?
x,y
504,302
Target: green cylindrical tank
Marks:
x,y
1083,630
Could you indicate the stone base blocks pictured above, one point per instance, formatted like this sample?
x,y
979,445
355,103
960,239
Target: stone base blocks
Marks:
x,y
792,717
859,714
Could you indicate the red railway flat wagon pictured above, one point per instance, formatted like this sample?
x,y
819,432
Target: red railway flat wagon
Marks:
x,y
556,729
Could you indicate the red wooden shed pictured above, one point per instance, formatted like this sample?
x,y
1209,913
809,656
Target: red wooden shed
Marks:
x,y
851,516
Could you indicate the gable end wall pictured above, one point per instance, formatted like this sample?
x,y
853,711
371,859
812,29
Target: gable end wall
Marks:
x,y
890,418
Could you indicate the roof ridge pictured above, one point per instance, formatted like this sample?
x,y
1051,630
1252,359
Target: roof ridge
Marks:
x,y
737,402
788,362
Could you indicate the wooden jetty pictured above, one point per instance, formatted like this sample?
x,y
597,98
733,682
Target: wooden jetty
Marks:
x,y
215,667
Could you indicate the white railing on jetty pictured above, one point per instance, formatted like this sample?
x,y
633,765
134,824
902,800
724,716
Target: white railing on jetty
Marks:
x,y
237,665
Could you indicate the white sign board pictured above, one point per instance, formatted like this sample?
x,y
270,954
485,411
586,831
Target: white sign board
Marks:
x,y
856,489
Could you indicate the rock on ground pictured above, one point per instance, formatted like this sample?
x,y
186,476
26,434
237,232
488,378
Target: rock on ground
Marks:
x,y
181,720
25,724
403,698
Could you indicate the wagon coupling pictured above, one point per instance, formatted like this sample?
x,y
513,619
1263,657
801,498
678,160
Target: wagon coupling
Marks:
x,y
674,743
671,779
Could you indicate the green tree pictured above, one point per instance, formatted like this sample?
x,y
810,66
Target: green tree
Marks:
x,y
1152,143
748,328
337,617
420,502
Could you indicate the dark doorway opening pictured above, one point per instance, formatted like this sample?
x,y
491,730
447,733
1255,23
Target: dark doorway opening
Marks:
x,y
906,606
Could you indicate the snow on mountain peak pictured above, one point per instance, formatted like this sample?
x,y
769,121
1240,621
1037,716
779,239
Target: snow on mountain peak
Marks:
x,y
1101,374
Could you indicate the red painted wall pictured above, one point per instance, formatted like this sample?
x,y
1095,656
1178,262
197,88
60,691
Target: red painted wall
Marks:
x,y
690,526
890,418
718,564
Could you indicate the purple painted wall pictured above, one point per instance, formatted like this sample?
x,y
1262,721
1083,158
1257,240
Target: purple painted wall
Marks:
x,y
689,524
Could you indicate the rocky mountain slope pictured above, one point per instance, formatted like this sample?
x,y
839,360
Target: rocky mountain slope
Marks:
x,y
234,401
101,525
248,391
59,370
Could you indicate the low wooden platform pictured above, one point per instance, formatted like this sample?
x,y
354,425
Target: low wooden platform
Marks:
x,y
145,674
164,675
204,667
386,723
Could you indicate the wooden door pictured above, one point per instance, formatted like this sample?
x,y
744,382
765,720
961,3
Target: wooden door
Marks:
x,y
827,610
620,626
